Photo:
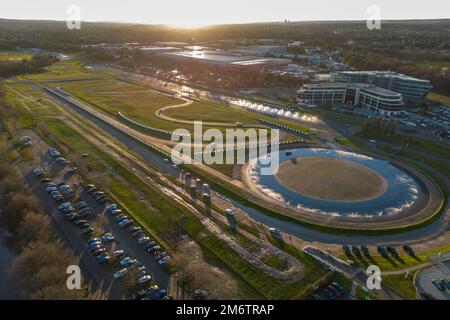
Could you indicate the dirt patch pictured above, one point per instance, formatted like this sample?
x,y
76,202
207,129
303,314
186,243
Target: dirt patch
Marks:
x,y
199,274
331,179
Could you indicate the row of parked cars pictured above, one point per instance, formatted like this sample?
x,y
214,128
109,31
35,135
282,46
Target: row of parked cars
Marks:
x,y
58,191
99,196
78,214
331,292
99,250
442,284
136,232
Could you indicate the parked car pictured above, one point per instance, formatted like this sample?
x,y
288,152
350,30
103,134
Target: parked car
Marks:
x,y
328,294
37,170
102,200
138,295
125,223
134,229
100,251
144,279
116,212
87,231
95,247
149,245
81,205
90,188
72,169
108,237
155,250
141,274
335,291
111,207
84,225
137,234
72,216
80,222
118,253
64,205
119,274
339,287
199,294
120,217
143,240
92,240
438,285
127,261
164,260
446,283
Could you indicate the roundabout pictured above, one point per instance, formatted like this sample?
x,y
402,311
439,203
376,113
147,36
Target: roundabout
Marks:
x,y
342,185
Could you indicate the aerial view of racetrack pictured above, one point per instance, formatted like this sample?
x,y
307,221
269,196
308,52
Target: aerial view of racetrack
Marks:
x,y
159,185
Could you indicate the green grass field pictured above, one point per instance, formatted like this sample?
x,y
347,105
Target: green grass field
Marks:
x,y
206,111
14,55
401,284
439,98
73,68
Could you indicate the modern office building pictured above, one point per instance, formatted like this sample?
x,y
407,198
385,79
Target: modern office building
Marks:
x,y
412,89
374,99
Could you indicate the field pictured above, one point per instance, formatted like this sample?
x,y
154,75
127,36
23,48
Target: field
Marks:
x,y
206,111
440,98
137,102
73,68
333,179
14,55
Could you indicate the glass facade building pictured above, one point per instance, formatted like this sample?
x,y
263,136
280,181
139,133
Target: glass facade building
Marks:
x,y
372,98
412,89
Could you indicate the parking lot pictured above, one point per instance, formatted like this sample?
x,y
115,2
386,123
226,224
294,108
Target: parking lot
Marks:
x,y
434,282
55,184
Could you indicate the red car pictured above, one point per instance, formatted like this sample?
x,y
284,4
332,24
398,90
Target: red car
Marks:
x,y
99,251
335,291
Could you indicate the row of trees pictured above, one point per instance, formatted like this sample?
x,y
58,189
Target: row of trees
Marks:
x,y
378,128
35,64
39,269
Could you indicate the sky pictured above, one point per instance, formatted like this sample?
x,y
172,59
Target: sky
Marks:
x,y
196,13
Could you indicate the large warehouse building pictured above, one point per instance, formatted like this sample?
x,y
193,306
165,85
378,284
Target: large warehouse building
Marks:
x,y
369,97
222,60
412,89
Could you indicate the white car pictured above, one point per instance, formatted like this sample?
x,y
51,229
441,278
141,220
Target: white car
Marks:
x,y
118,253
144,279
119,274
143,240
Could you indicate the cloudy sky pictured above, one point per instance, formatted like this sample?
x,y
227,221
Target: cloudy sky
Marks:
x,y
206,12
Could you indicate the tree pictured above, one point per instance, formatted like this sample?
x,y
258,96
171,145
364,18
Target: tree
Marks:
x,y
34,227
